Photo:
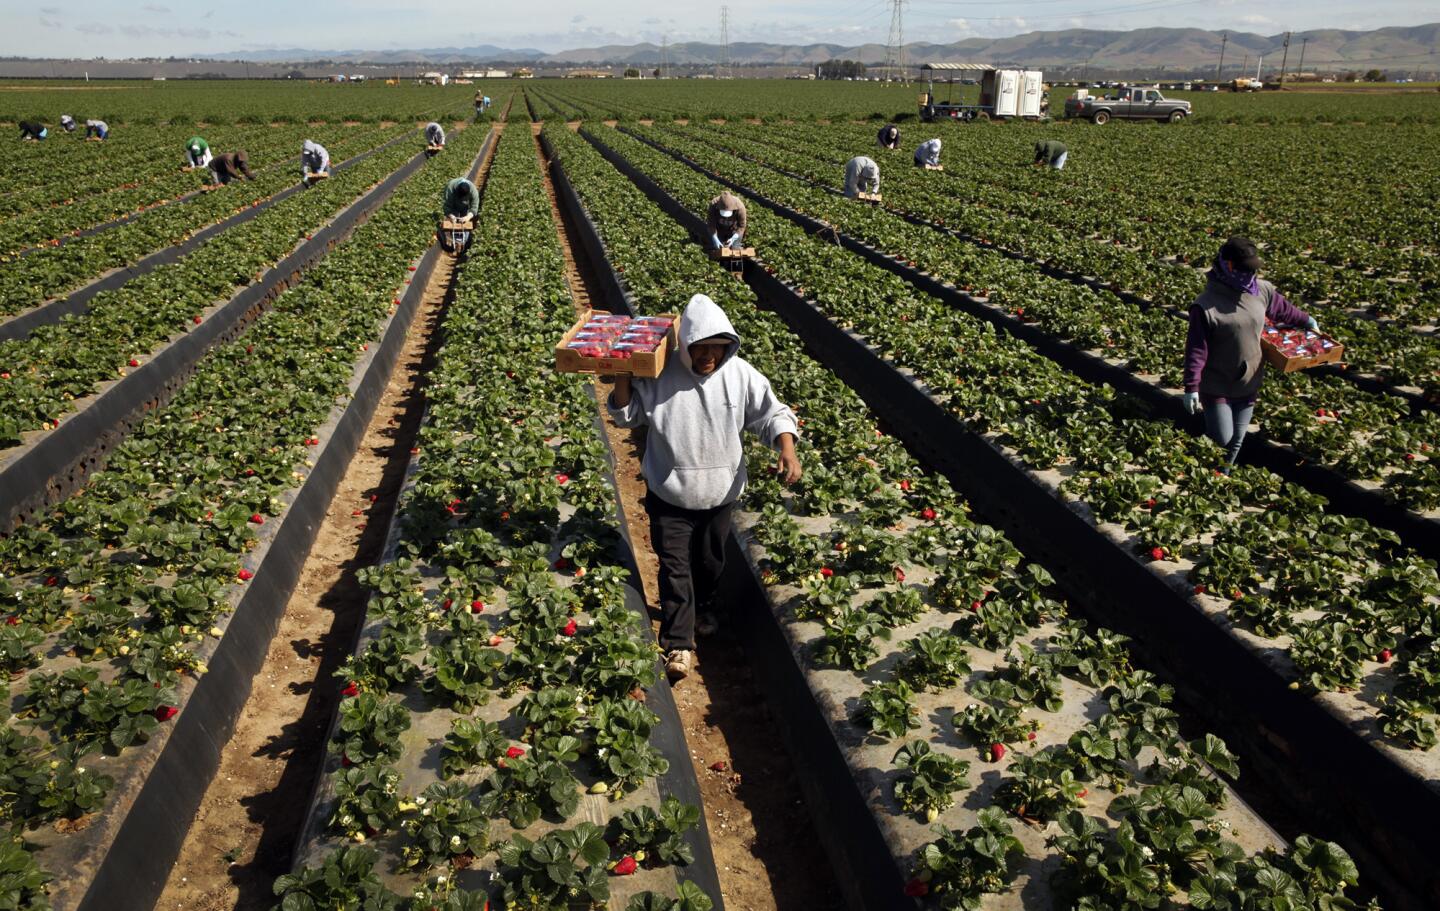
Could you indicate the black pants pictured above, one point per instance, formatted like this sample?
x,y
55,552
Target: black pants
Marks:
x,y
691,546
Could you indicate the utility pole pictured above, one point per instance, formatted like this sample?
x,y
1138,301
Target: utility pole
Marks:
x,y
664,53
1301,67
1283,60
895,47
1245,66
722,69
1224,40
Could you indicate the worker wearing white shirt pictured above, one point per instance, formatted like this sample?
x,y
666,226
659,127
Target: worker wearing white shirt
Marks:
x,y
862,175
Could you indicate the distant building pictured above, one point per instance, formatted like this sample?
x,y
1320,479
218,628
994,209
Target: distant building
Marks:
x,y
435,78
524,72
589,74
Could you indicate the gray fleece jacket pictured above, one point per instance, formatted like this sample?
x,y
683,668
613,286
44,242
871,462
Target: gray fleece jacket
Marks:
x,y
693,453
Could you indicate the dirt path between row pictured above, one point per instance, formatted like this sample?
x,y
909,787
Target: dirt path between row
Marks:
x,y
244,833
766,849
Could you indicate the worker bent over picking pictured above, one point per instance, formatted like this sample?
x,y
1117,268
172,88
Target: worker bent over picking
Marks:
x,y
888,137
229,166
727,220
434,134
314,159
67,123
462,200
97,129
862,175
928,153
1051,152
197,151
1223,362
694,466
31,131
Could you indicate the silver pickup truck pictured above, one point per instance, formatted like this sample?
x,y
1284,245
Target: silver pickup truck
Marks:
x,y
1130,102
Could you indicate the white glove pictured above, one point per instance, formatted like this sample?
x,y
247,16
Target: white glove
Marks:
x,y
1191,400
1312,325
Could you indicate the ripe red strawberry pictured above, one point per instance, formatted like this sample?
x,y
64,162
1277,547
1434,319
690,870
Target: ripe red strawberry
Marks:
x,y
1319,412
1385,656
477,606
570,627
52,581
12,620
134,362
928,514
916,889
997,752
1410,456
1030,736
718,766
561,564
562,478
197,319
496,640
245,575
1082,793
166,712
514,752
899,574
904,485
1199,589
1150,503
625,866
974,607
826,571
1157,553
412,268
448,602
351,689
257,518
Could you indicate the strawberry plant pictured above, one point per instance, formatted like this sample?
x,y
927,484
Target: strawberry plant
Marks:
x,y
347,879
959,868
367,799
555,869
934,660
928,779
657,836
852,638
448,827
471,742
888,709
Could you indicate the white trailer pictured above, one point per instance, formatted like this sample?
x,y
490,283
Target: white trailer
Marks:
x,y
1003,93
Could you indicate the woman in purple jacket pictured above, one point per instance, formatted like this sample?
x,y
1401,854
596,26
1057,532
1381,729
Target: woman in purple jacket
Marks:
x,y
1223,363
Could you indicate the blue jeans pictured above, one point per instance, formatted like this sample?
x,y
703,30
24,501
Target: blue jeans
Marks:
x,y
1226,423
1059,163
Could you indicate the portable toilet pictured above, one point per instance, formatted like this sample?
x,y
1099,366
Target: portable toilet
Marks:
x,y
1032,93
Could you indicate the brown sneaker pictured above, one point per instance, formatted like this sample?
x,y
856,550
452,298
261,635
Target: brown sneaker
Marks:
x,y
678,663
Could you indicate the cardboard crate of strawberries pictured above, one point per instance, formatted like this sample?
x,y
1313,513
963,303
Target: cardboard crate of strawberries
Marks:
x,y
1288,349
612,343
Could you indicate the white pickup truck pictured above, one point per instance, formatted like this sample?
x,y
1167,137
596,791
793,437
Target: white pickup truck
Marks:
x,y
1130,102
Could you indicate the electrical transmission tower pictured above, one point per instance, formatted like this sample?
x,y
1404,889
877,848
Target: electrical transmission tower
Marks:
x,y
722,69
895,47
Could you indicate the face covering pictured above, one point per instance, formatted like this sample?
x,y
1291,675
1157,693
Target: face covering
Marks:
x,y
1238,279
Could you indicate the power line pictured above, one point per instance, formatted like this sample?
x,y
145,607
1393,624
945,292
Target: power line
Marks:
x,y
722,70
895,48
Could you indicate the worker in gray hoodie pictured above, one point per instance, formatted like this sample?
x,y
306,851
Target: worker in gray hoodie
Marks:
x,y
694,466
314,159
928,153
862,175
434,134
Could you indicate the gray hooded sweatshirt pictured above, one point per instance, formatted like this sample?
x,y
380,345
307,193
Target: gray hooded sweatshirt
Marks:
x,y
694,458
861,173
928,152
313,157
434,134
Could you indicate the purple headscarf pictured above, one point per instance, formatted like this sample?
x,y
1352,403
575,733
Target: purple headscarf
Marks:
x,y
1239,280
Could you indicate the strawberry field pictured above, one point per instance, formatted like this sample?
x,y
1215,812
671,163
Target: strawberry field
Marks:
x,y
1027,646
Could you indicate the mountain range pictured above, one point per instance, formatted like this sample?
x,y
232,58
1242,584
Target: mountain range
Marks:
x,y
1399,47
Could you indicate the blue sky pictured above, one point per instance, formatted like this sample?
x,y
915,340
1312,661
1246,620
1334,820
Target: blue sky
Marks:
x,y
92,28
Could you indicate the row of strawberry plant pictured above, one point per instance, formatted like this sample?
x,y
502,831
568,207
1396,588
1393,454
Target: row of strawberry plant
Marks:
x,y
870,547
1340,597
1362,436
1051,231
55,204
51,224
499,629
53,271
58,364
117,598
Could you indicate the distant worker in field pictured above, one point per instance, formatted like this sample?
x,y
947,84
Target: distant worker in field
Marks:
x,y
1223,362
67,123
197,152
727,220
97,129
462,200
889,137
862,175
314,159
230,166
30,131
479,103
1051,152
698,411
485,103
434,134
927,154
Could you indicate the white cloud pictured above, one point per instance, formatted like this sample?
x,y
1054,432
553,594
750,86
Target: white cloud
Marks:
x,y
155,8
95,28
49,23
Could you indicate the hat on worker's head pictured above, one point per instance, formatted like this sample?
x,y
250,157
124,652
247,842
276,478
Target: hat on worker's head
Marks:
x,y
726,213
1242,252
